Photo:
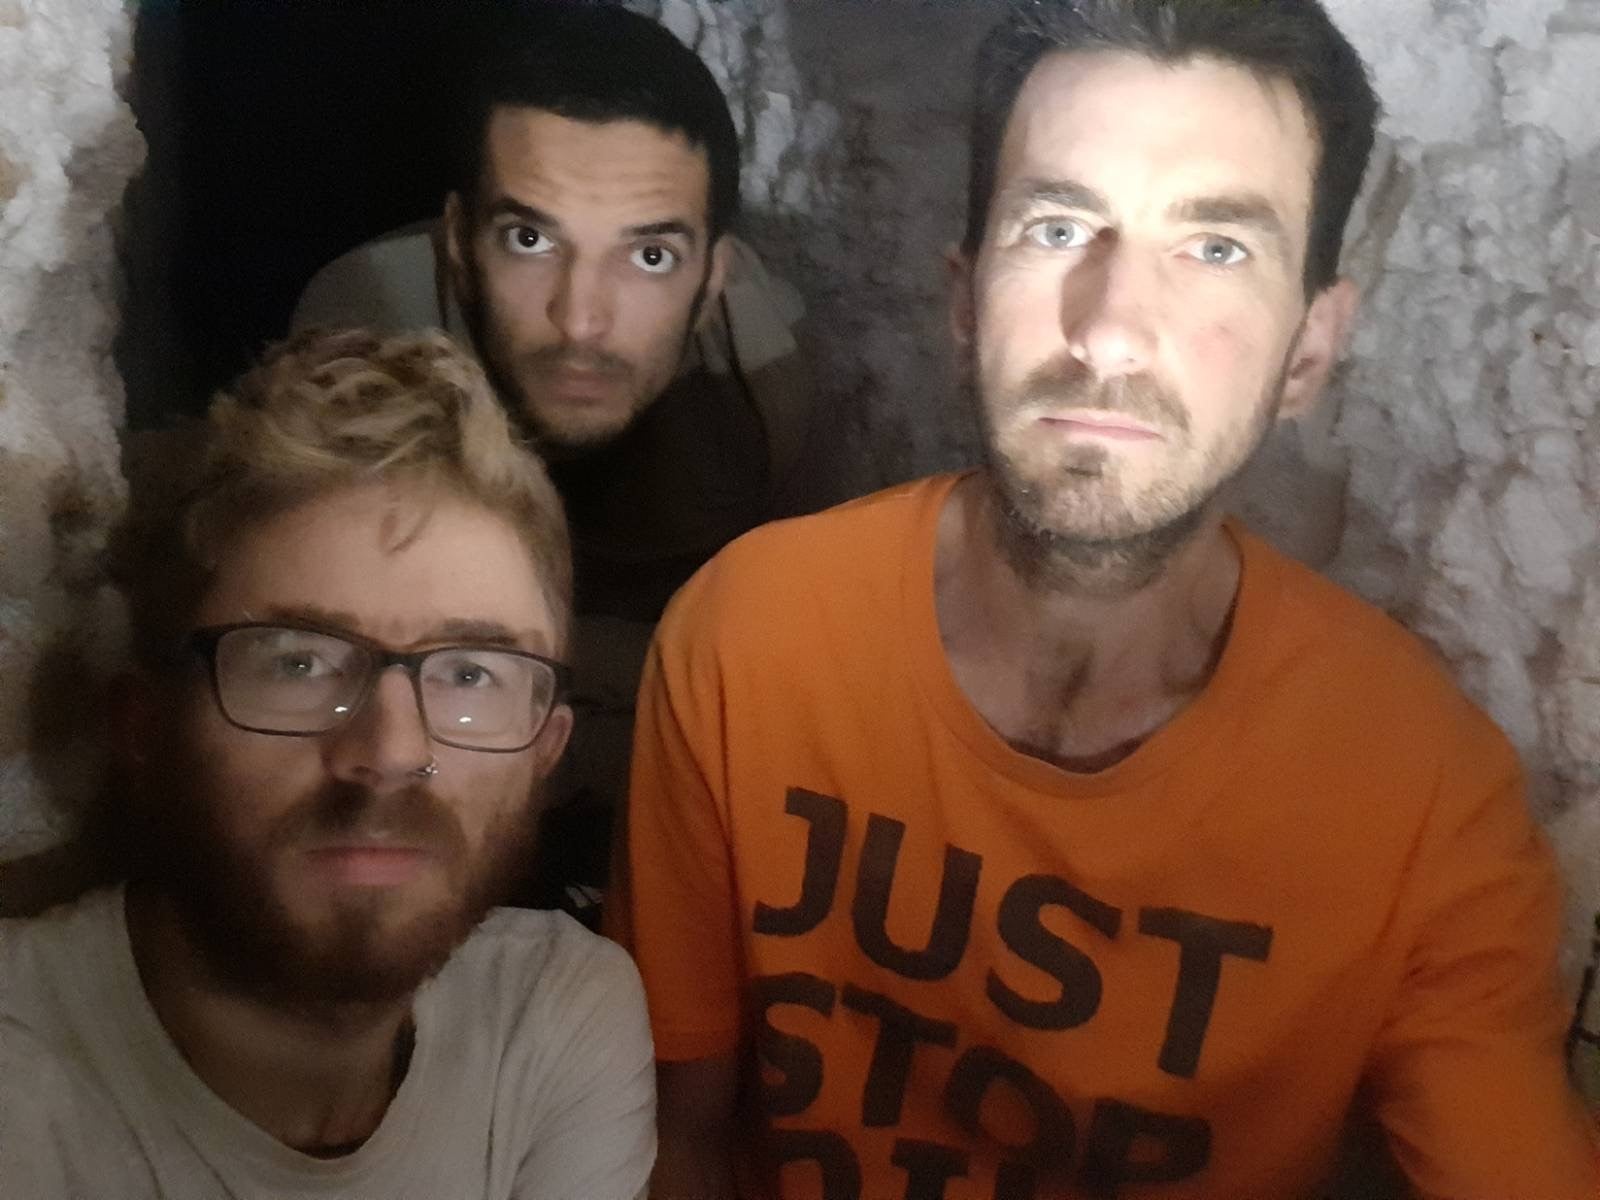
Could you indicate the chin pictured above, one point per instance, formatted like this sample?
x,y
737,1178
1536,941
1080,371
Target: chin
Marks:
x,y
580,427
1097,510
370,947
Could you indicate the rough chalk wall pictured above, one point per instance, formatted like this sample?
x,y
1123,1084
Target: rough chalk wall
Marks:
x,y
854,122
1449,477
1467,416
67,148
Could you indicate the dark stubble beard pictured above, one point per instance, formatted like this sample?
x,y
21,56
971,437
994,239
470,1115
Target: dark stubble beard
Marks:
x,y
503,375
250,941
1109,565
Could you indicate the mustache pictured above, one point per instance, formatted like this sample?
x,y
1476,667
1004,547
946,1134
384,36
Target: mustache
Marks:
x,y
1064,382
341,811
577,358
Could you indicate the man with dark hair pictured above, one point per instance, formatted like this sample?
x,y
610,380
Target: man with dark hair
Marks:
x,y
1039,831
349,635
597,174
586,252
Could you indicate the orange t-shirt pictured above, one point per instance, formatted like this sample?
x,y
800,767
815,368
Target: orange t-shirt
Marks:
x,y
967,974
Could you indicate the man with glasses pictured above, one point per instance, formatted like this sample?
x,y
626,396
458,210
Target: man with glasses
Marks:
x,y
332,757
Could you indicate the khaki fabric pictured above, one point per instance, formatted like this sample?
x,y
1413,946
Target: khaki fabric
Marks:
x,y
531,1078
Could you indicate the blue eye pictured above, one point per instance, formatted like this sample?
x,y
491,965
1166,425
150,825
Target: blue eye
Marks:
x,y
298,666
460,672
288,655
1058,234
1217,251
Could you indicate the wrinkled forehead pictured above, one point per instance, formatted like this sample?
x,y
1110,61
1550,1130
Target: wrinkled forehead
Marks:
x,y
1143,132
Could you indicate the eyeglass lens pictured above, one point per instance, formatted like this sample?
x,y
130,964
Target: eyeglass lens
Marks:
x,y
295,681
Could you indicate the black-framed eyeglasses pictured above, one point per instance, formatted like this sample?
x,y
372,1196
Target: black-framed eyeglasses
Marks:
x,y
300,682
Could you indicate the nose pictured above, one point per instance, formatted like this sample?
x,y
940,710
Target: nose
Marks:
x,y
385,744
1107,312
582,303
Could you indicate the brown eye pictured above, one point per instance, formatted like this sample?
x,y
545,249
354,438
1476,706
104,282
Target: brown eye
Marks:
x,y
525,240
656,258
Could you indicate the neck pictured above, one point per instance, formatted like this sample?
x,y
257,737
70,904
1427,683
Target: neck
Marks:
x,y
1080,656
317,1079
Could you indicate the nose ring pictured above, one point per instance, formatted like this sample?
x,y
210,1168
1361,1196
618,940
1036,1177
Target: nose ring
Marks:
x,y
429,771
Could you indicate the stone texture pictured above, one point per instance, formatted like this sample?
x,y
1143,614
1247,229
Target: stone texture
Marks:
x,y
1467,413
854,122
67,148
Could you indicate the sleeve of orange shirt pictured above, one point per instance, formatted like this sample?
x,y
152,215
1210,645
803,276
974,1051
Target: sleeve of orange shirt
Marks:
x,y
1471,1084
674,902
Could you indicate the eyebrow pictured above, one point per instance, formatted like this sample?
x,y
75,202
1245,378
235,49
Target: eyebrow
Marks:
x,y
309,614
464,630
664,229
1068,193
505,206
1246,211
479,633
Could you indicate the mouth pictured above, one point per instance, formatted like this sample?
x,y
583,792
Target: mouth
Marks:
x,y
1098,424
581,383
368,864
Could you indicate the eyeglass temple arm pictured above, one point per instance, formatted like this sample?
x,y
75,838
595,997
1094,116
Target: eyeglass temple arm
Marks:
x,y
1577,1033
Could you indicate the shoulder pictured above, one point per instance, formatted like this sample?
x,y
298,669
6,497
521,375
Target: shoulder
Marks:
x,y
36,1079
60,1132
848,554
522,958
71,932
59,972
1366,665
750,280
387,283
561,1009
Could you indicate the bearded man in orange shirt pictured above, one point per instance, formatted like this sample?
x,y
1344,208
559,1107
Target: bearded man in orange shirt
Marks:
x,y
1039,831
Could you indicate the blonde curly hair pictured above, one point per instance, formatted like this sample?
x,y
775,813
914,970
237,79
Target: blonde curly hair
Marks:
x,y
326,410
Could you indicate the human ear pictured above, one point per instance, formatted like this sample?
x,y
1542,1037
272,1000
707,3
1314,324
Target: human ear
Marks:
x,y
1323,337
133,712
959,268
719,257
717,277
552,740
455,234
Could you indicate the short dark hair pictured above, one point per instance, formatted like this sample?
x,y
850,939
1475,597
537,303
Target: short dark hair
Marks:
x,y
595,62
1292,40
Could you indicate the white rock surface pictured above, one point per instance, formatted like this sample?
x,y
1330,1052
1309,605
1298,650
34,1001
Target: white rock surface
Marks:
x,y
1466,413
67,148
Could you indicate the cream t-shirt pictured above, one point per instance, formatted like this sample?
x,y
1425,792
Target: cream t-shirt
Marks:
x,y
532,1078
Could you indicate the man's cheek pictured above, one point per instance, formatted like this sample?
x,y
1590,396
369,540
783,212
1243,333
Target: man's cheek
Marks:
x,y
516,301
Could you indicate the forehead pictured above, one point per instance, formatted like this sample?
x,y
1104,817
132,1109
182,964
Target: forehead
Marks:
x,y
1146,133
399,565
627,172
